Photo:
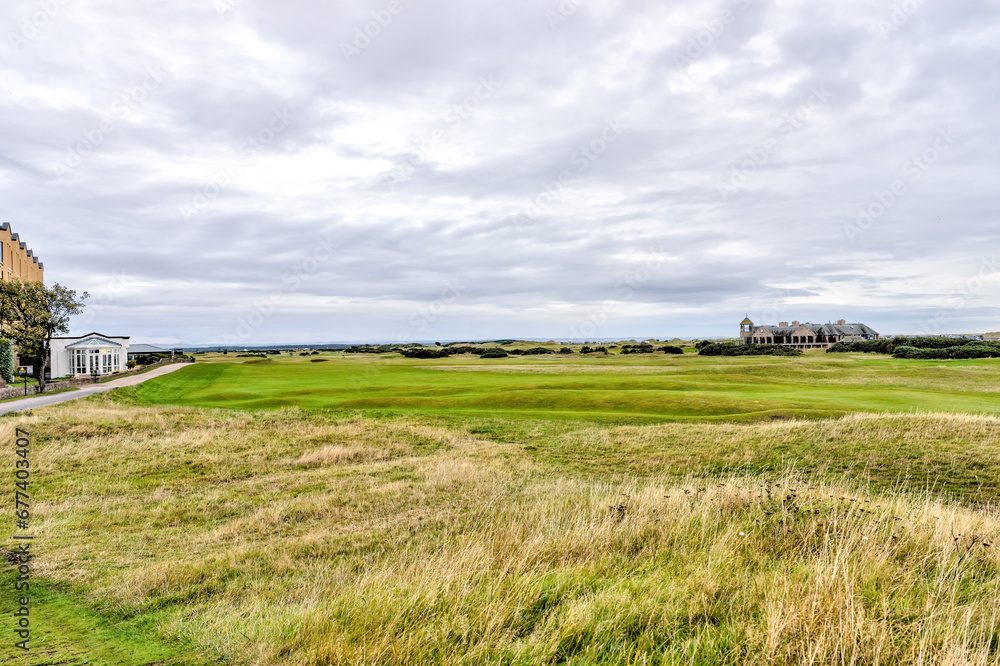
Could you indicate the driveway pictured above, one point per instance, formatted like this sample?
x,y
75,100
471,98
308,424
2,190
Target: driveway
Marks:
x,y
46,400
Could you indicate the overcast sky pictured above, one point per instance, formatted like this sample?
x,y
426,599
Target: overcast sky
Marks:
x,y
242,171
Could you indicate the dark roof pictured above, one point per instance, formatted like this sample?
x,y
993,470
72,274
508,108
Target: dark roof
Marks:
x,y
80,337
146,349
823,329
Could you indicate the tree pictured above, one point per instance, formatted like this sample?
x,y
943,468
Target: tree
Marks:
x,y
6,360
33,315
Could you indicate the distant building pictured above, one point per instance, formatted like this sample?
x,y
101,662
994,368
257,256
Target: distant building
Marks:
x,y
804,336
17,260
88,354
144,350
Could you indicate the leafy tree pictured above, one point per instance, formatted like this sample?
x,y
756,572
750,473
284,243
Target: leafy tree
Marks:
x,y
6,360
33,315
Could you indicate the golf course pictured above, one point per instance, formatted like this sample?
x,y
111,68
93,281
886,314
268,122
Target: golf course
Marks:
x,y
636,388
339,508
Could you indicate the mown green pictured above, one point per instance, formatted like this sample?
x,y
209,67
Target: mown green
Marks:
x,y
646,388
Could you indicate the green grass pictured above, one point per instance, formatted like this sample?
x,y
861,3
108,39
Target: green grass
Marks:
x,y
65,631
653,388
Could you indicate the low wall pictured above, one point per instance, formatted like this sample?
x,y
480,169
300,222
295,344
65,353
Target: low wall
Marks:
x,y
14,391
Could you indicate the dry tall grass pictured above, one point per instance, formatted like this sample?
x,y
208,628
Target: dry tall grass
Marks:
x,y
286,538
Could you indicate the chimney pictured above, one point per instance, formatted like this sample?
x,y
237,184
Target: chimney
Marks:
x,y
795,323
841,322
783,323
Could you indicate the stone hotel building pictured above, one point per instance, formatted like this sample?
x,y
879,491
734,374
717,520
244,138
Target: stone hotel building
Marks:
x,y
804,336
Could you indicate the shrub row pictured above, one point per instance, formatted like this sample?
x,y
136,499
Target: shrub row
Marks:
x,y
975,350
930,344
732,349
637,349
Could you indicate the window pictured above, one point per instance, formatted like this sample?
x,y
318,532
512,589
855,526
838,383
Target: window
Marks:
x,y
80,362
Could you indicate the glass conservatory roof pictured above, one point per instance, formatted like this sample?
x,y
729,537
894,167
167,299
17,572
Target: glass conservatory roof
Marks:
x,y
93,343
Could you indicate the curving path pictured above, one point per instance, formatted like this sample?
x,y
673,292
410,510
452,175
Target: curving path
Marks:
x,y
46,400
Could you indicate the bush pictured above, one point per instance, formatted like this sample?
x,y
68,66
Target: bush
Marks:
x,y
131,364
586,350
637,349
731,349
889,345
966,351
424,353
494,353
538,350
565,350
701,344
670,349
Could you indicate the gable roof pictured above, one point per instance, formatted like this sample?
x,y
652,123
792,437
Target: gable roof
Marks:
x,y
94,342
89,335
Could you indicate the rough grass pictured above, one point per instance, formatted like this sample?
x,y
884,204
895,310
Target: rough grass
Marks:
x,y
289,537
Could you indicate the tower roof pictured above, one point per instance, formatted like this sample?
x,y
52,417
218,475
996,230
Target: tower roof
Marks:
x,y
746,322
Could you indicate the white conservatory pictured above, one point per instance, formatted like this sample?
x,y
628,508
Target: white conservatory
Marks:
x,y
85,355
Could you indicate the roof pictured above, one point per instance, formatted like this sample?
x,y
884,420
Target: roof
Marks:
x,y
146,349
823,329
746,322
89,335
94,342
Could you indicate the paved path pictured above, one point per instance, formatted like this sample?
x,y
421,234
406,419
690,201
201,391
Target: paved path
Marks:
x,y
46,400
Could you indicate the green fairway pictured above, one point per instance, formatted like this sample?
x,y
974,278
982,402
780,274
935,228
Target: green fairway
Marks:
x,y
602,388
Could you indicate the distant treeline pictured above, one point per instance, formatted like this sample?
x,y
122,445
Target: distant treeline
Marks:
x,y
415,350
922,347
